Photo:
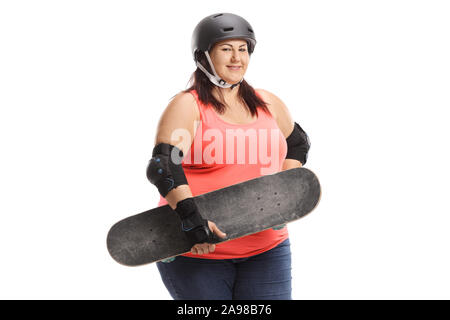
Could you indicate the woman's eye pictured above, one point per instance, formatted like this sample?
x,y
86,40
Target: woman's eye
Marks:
x,y
242,49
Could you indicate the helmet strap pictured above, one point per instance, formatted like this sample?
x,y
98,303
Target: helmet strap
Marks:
x,y
215,78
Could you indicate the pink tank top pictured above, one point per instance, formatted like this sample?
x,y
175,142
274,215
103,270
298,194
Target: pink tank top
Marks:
x,y
223,154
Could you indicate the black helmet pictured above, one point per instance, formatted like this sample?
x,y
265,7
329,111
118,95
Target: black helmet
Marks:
x,y
221,26
217,27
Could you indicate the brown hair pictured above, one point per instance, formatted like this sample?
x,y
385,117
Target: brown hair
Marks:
x,y
204,88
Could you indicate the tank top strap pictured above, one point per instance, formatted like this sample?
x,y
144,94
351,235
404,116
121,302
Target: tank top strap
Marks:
x,y
206,115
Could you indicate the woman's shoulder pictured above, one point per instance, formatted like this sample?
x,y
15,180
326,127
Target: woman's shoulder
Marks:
x,y
278,109
180,114
183,98
184,104
270,97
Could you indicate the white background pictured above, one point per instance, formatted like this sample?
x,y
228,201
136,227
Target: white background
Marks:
x,y
83,84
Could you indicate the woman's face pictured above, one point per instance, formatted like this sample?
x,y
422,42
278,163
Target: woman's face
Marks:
x,y
230,58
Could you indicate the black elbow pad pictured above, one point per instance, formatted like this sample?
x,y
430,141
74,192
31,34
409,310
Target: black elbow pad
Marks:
x,y
164,169
298,144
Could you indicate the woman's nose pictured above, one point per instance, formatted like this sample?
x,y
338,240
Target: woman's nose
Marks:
x,y
235,56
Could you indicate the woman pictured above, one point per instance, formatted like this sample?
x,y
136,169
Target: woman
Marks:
x,y
225,132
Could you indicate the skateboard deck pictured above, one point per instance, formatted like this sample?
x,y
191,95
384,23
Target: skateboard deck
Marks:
x,y
238,210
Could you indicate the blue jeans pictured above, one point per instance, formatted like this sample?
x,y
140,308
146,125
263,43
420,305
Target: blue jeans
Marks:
x,y
266,276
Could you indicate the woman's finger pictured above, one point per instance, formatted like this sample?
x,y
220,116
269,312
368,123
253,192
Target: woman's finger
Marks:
x,y
216,230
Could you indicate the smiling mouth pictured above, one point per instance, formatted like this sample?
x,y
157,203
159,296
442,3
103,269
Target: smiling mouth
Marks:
x,y
234,67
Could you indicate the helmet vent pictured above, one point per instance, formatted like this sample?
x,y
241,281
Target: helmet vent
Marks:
x,y
218,15
250,30
228,29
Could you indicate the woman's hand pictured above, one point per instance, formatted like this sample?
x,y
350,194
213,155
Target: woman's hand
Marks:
x,y
205,248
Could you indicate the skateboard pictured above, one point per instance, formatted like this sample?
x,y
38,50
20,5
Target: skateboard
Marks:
x,y
238,210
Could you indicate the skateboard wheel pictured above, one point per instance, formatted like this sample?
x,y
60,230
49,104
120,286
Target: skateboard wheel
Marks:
x,y
168,260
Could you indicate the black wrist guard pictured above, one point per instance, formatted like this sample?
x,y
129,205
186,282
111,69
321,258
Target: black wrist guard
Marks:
x,y
192,222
